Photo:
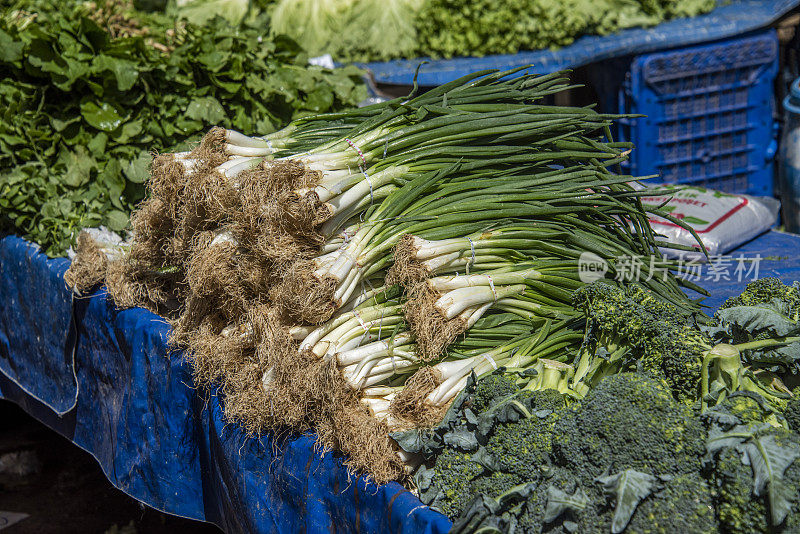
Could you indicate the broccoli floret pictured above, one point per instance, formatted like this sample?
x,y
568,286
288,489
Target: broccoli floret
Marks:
x,y
452,482
508,430
523,448
739,510
685,504
495,484
771,291
745,407
492,388
531,517
629,421
764,322
622,317
676,354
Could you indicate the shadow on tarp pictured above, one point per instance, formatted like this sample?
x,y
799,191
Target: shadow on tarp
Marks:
x,y
729,18
105,379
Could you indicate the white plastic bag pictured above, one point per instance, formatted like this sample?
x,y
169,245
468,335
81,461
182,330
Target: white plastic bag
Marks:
x,y
722,220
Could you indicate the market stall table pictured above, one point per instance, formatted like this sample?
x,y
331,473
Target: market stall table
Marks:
x,y
106,379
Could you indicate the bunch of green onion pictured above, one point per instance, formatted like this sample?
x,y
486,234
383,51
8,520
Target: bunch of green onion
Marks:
x,y
431,237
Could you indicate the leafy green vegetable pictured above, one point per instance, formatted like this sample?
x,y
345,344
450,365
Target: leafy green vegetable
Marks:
x,y
350,30
449,28
81,109
201,11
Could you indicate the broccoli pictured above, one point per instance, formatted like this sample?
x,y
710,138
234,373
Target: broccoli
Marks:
x,y
538,460
495,437
764,322
724,374
684,504
523,448
772,292
676,354
631,328
451,485
627,421
492,388
659,425
754,467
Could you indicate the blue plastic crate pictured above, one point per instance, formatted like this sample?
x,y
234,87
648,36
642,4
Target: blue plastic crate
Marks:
x,y
709,112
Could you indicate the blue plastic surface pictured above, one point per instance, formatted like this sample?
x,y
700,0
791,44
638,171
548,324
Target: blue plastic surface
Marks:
x,y
155,436
39,356
776,254
709,112
730,18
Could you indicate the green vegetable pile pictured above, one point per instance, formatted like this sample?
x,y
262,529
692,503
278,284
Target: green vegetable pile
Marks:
x,y
448,28
84,102
640,450
377,30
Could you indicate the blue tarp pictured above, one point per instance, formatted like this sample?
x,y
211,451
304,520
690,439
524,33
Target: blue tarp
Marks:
x,y
129,401
126,399
730,18
775,254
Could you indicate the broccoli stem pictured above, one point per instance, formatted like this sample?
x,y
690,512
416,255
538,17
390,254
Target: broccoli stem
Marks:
x,y
729,363
767,343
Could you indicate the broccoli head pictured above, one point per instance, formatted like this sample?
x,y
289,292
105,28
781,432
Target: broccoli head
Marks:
x,y
495,437
451,484
490,389
676,354
631,421
632,328
764,322
754,465
685,503
739,508
772,292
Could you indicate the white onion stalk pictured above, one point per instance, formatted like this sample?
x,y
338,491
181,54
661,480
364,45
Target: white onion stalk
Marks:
x,y
236,150
374,371
232,168
386,392
455,375
454,261
448,283
189,165
349,357
358,331
425,249
299,333
339,326
238,139
350,190
455,302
